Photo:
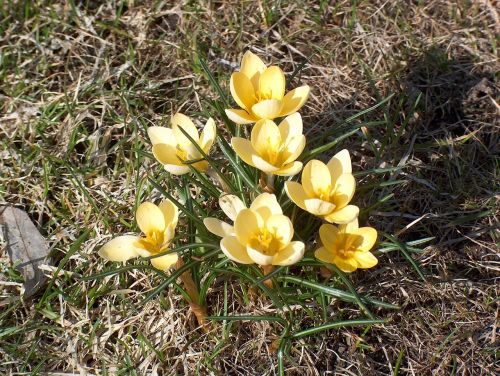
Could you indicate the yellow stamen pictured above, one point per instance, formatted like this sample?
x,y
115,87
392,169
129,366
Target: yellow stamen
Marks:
x,y
325,194
262,95
154,242
265,241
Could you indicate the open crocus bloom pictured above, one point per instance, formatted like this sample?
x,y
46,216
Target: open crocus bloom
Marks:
x,y
347,246
231,205
260,92
327,189
272,148
158,225
172,148
262,235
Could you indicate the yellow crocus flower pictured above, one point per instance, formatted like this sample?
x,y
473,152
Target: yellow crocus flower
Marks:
x,y
158,225
272,148
260,92
347,246
326,190
262,235
172,148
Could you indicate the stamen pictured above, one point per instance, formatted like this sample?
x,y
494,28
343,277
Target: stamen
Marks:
x,y
269,243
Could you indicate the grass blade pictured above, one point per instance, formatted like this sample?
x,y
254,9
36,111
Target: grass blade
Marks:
x,y
335,325
351,287
247,318
339,294
173,277
406,253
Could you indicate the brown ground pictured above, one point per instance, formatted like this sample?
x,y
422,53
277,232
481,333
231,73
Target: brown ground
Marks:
x,y
78,83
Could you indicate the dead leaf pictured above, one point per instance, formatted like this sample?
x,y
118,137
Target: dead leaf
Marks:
x,y
26,247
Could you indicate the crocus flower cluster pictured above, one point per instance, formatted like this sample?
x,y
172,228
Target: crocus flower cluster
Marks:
x,y
259,234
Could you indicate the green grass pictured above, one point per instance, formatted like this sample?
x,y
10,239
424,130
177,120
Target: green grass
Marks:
x,y
391,82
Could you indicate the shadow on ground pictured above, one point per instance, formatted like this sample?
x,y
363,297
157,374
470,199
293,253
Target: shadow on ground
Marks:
x,y
452,144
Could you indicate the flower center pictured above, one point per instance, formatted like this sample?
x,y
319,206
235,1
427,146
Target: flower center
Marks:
x,y
262,95
326,193
276,151
346,245
154,242
273,153
266,242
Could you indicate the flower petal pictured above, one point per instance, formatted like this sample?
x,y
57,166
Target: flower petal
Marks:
x,y
272,83
265,137
291,134
243,149
170,212
240,116
347,265
181,120
165,262
365,260
252,66
281,226
344,190
234,250
258,257
295,148
291,127
296,193
328,234
166,154
350,227
161,135
318,207
177,170
246,224
231,205
121,248
201,166
324,255
267,109
294,100
345,215
289,169
316,178
150,218
242,90
368,238
289,255
266,205
340,164
218,227
207,136
263,165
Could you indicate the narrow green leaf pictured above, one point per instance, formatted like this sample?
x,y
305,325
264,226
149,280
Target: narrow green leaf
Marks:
x,y
387,247
398,362
72,249
212,80
175,274
377,171
351,287
236,164
335,325
247,318
114,271
340,294
406,253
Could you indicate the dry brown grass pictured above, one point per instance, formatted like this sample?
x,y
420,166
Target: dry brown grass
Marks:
x,y
78,84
